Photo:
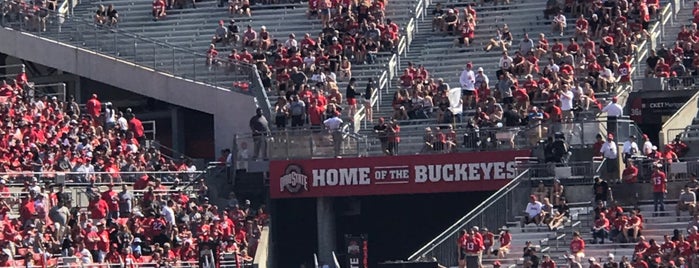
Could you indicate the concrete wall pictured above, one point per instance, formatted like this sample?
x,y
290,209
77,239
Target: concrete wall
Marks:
x,y
231,110
681,119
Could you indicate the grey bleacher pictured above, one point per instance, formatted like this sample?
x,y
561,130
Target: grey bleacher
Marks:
x,y
193,29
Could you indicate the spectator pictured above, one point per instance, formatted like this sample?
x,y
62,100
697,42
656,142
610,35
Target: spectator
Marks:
x,y
334,126
393,134
647,145
593,263
560,215
618,230
601,190
100,15
630,174
221,34
548,262
600,230
159,9
687,201
630,148
577,247
468,90
112,15
633,227
659,181
532,212
136,128
505,242
260,130
610,152
559,23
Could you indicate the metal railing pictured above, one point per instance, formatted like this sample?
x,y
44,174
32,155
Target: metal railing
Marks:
x,y
147,53
580,171
100,177
299,144
492,213
10,71
57,90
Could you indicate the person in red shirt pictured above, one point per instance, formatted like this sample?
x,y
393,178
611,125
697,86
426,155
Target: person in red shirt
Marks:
x,y
662,69
630,174
111,198
488,241
158,9
593,263
211,56
581,27
548,262
505,242
98,209
136,127
600,229
27,211
659,181
93,107
577,247
642,246
473,248
633,227
640,263
461,245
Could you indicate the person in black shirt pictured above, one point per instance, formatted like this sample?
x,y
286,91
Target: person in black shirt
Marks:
x,y
260,129
351,95
381,130
368,92
511,117
233,32
438,20
601,190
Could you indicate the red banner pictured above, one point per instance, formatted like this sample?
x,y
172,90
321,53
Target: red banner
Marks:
x,y
410,174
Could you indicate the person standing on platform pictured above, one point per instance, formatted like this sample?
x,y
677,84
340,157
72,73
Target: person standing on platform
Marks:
x,y
260,130
659,181
614,112
611,154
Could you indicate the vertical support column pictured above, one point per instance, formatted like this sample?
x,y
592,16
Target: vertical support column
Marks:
x,y
325,215
177,122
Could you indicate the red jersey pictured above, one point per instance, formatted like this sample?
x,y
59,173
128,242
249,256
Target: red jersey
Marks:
x,y
659,181
641,247
136,127
624,72
98,209
685,248
93,107
112,200
667,247
473,245
548,264
488,239
577,245
505,239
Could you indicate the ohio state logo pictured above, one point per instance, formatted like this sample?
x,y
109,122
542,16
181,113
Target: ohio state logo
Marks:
x,y
353,247
293,180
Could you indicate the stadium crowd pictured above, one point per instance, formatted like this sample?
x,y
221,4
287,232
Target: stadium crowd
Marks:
x,y
136,221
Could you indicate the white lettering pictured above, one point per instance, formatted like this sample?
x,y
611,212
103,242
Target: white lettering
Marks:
x,y
420,174
511,169
348,176
364,176
319,177
331,177
486,168
447,173
461,172
354,262
473,172
435,175
498,170
377,175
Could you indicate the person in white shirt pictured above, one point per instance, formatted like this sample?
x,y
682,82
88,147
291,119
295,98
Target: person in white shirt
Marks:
x,y
122,124
611,153
553,66
647,145
291,42
168,214
559,23
606,79
468,85
532,214
566,98
614,111
333,125
505,62
630,148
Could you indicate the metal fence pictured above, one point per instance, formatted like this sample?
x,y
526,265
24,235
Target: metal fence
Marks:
x,y
492,213
99,177
299,144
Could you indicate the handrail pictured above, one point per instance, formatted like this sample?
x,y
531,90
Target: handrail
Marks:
x,y
679,118
61,95
461,223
